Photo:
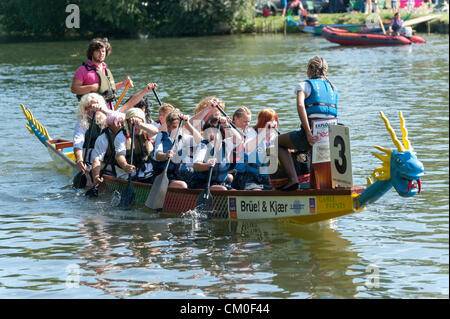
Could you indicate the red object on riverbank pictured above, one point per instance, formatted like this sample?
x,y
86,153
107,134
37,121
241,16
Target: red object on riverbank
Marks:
x,y
344,37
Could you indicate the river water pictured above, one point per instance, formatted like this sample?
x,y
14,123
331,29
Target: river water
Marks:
x,y
54,243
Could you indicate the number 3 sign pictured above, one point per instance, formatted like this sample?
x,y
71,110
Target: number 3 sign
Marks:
x,y
340,156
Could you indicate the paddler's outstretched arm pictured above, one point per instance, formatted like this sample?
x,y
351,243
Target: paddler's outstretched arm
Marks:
x,y
96,171
301,109
135,99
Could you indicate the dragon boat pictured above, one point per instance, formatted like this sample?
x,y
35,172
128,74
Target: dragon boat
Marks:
x,y
400,170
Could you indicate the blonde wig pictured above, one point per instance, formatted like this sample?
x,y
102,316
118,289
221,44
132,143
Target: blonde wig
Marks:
x,y
100,117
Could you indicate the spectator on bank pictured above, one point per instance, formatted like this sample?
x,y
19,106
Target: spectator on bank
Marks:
x,y
284,6
368,7
394,5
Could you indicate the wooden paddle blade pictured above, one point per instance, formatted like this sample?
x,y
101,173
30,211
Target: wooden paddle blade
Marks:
x,y
80,180
127,199
157,195
205,203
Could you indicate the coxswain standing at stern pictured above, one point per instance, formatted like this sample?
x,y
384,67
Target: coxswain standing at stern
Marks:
x,y
94,76
316,99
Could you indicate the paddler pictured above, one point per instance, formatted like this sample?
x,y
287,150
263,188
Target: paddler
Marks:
x,y
180,169
84,135
252,168
141,169
220,159
104,155
316,99
95,76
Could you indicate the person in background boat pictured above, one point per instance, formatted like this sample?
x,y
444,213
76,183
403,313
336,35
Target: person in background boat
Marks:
x,y
141,168
94,76
221,162
396,24
298,9
250,172
316,98
104,155
139,100
180,169
89,104
204,110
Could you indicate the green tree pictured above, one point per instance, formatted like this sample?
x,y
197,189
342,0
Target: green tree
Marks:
x,y
125,17
197,17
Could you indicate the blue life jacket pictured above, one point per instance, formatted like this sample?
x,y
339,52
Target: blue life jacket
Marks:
x,y
167,145
220,170
323,98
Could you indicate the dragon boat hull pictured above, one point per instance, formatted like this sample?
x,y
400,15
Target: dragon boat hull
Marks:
x,y
302,206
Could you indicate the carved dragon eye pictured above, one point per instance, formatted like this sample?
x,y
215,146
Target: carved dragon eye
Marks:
x,y
399,161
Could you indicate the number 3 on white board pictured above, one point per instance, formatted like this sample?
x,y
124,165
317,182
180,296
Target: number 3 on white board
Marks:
x,y
341,162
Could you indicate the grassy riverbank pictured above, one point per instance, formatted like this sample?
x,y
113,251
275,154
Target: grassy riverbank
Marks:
x,y
275,24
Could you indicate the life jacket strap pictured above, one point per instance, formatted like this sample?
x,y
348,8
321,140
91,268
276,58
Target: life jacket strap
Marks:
x,y
326,104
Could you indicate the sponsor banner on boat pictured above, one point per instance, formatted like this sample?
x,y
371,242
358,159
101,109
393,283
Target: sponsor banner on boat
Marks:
x,y
253,207
321,149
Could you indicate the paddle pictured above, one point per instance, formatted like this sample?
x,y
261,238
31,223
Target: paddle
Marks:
x,y
231,123
93,191
80,180
205,201
127,199
157,97
381,25
129,84
157,195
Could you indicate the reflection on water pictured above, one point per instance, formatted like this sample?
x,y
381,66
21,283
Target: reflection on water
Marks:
x,y
50,235
221,259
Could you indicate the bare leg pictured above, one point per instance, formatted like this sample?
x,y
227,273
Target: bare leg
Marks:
x,y
218,188
178,184
284,142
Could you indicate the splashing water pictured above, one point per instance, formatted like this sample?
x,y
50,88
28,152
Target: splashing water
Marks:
x,y
195,214
115,200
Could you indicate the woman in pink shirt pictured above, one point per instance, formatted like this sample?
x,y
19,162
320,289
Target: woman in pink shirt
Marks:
x,y
94,76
